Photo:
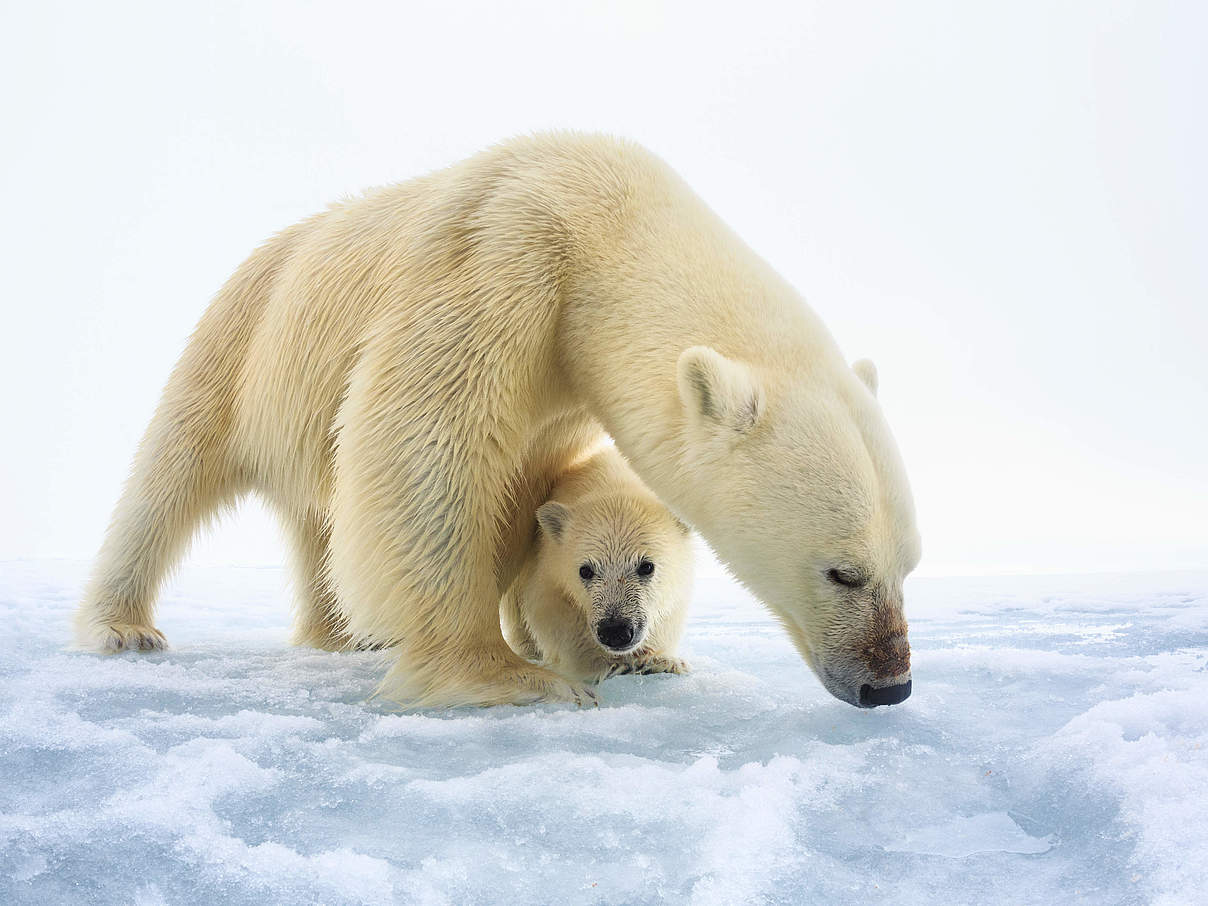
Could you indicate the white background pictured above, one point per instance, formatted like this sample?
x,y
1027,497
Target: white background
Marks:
x,y
1003,205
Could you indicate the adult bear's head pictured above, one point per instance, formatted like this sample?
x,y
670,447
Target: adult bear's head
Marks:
x,y
801,491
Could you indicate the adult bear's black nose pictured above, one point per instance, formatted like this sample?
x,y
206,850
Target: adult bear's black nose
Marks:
x,y
615,632
888,695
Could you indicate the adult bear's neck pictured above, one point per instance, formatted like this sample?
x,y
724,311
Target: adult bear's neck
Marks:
x,y
662,275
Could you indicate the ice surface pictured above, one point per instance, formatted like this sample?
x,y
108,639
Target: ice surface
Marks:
x,y
993,832
1055,750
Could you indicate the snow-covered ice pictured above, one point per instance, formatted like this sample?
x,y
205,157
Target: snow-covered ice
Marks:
x,y
1055,750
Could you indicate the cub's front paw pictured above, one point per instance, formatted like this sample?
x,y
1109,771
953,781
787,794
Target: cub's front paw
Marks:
x,y
649,663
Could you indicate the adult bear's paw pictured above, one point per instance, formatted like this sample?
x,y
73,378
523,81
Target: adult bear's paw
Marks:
x,y
110,638
533,685
518,683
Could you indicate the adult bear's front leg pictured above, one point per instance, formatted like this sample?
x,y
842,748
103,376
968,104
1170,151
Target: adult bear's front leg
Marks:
x,y
419,492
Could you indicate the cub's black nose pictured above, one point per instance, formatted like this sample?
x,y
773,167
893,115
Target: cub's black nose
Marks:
x,y
889,695
615,632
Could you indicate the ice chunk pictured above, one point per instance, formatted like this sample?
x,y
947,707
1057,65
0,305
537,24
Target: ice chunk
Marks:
x,y
992,832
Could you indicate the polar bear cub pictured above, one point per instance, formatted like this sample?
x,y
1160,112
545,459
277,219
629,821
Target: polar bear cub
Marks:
x,y
605,589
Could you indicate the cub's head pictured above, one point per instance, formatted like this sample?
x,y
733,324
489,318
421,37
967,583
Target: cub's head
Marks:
x,y
798,486
624,560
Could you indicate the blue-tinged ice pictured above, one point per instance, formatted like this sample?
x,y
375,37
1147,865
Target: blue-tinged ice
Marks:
x,y
1055,750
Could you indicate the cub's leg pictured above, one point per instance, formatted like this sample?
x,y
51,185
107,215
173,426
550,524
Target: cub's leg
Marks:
x,y
318,622
515,631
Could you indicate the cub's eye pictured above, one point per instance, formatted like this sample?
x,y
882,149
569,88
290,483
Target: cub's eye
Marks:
x,y
645,568
845,577
586,572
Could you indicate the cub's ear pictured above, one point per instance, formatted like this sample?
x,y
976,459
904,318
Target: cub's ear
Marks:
x,y
867,372
719,390
553,518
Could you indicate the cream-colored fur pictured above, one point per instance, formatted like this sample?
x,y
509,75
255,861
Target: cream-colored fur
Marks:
x,y
403,375
601,517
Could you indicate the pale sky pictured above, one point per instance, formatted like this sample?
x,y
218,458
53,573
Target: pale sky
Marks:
x,y
1003,207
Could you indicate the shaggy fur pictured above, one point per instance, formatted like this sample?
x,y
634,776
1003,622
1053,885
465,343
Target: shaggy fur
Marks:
x,y
601,515
403,375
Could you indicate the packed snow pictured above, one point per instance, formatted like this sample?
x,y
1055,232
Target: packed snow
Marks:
x,y
1055,750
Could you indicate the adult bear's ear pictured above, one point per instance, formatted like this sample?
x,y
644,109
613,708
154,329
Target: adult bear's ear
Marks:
x,y
553,518
867,372
719,390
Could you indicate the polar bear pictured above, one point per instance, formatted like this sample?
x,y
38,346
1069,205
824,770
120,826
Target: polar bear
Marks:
x,y
402,376
605,588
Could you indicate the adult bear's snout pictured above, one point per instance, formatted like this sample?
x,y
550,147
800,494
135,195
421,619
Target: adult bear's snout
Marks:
x,y
870,697
888,662
616,633
879,674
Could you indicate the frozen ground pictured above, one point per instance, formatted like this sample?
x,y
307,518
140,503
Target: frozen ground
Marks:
x,y
1055,751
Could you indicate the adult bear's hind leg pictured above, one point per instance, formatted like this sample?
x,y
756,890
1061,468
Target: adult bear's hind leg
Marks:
x,y
318,622
181,477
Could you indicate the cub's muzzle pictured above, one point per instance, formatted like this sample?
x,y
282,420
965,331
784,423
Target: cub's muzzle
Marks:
x,y
618,633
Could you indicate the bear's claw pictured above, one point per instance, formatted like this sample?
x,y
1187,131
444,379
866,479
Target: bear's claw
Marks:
x,y
587,698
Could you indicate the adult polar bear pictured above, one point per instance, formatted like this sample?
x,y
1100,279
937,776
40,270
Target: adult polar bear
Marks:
x,y
402,375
